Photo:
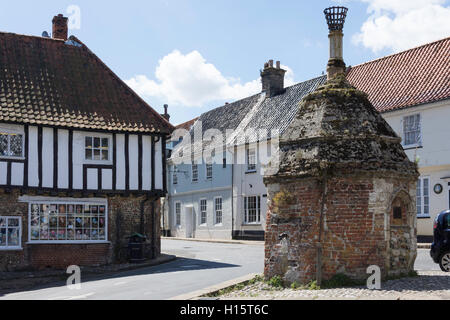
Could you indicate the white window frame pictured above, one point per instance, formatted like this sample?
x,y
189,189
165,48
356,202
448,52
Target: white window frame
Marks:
x,y
251,167
209,170
11,248
174,175
419,129
177,214
258,200
101,136
10,132
68,202
194,165
421,204
205,212
218,210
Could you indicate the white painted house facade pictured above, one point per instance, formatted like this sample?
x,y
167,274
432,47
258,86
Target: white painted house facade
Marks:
x,y
411,89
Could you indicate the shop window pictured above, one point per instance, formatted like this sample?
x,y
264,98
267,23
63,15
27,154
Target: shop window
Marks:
x,y
68,222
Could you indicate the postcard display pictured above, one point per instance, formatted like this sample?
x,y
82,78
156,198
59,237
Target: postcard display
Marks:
x,y
68,222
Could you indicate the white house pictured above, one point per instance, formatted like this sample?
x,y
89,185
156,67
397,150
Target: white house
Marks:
x,y
411,89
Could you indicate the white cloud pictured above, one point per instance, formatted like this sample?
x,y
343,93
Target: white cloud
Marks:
x,y
188,80
402,24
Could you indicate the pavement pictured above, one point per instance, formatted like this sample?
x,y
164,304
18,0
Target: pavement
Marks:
x,y
429,285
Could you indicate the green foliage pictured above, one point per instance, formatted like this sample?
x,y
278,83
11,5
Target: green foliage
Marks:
x,y
313,286
295,285
276,282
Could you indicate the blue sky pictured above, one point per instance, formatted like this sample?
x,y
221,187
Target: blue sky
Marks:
x,y
198,54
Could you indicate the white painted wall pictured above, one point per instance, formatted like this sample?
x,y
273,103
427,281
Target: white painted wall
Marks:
x,y
47,158
63,159
434,157
134,162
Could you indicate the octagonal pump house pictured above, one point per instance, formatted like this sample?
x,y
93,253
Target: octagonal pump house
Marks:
x,y
342,190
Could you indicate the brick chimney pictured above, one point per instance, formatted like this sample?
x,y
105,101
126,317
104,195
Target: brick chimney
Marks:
x,y
166,115
272,79
60,27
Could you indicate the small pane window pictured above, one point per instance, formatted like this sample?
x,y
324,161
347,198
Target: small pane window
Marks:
x,y
209,170
10,233
175,176
194,172
97,148
412,130
203,211
252,207
423,197
218,210
251,159
11,145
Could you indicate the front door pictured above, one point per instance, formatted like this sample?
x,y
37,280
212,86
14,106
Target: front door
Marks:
x,y
190,222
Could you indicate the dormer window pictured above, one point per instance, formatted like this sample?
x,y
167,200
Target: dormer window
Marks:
x,y
97,148
11,144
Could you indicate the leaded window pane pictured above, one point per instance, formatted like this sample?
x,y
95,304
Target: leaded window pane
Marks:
x,y
16,146
4,144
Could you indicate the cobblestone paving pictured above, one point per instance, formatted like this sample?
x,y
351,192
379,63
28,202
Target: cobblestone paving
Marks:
x,y
428,285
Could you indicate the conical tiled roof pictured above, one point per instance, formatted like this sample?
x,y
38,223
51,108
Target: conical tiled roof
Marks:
x,y
336,128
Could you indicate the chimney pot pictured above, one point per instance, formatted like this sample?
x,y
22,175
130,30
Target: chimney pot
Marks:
x,y
60,27
271,63
278,65
166,115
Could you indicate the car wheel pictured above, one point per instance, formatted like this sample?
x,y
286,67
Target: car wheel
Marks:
x,y
444,262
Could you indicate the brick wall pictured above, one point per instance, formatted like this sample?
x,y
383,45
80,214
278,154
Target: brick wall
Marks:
x,y
124,219
354,233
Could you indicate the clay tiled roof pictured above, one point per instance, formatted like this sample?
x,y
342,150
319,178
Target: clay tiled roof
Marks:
x,y
416,76
52,82
186,125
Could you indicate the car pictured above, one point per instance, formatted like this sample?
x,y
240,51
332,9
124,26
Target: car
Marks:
x,y
440,249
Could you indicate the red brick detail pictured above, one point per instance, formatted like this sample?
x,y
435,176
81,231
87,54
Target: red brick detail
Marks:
x,y
61,256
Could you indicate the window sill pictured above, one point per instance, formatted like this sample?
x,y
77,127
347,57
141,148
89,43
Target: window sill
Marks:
x,y
412,147
98,162
67,242
256,224
12,158
423,217
11,249
250,171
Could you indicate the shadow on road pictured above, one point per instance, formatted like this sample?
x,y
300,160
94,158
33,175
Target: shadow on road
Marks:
x,y
178,265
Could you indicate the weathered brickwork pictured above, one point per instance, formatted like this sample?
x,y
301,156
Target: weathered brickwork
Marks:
x,y
341,193
124,219
356,232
